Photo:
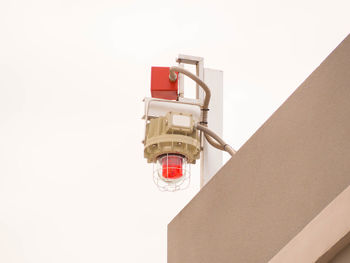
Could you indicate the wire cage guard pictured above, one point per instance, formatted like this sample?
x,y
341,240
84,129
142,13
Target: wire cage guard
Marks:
x,y
171,172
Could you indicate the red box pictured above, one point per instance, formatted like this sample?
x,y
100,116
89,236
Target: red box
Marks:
x,y
161,86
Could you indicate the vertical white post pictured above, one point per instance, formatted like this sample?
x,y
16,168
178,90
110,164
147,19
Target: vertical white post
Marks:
x,y
211,159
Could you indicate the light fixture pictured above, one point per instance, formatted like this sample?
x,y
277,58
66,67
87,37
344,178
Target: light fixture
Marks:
x,y
173,133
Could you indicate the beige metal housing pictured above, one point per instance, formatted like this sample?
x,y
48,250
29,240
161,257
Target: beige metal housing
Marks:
x,y
173,133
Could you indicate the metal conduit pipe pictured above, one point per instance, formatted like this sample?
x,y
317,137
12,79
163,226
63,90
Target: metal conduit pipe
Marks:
x,y
213,142
226,147
205,109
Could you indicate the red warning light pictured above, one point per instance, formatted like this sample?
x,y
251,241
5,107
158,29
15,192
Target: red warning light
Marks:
x,y
172,166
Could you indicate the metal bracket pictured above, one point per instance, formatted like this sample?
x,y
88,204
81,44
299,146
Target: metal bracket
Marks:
x,y
191,60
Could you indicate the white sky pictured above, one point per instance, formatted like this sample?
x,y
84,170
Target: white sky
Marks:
x,y
74,186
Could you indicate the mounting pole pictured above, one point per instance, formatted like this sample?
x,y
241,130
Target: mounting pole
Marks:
x,y
211,158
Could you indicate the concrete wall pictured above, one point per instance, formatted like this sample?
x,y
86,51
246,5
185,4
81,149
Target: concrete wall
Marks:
x,y
287,172
343,256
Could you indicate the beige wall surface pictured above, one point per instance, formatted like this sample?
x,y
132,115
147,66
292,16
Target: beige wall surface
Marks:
x,y
287,172
323,238
343,256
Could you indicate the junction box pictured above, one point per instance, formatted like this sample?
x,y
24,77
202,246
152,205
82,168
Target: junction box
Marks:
x,y
161,86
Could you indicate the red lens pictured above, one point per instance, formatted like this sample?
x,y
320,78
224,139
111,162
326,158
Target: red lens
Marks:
x,y
172,166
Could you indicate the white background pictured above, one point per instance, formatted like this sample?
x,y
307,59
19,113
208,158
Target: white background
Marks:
x,y
74,186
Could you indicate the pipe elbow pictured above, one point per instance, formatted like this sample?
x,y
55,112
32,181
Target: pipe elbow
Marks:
x,y
172,74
